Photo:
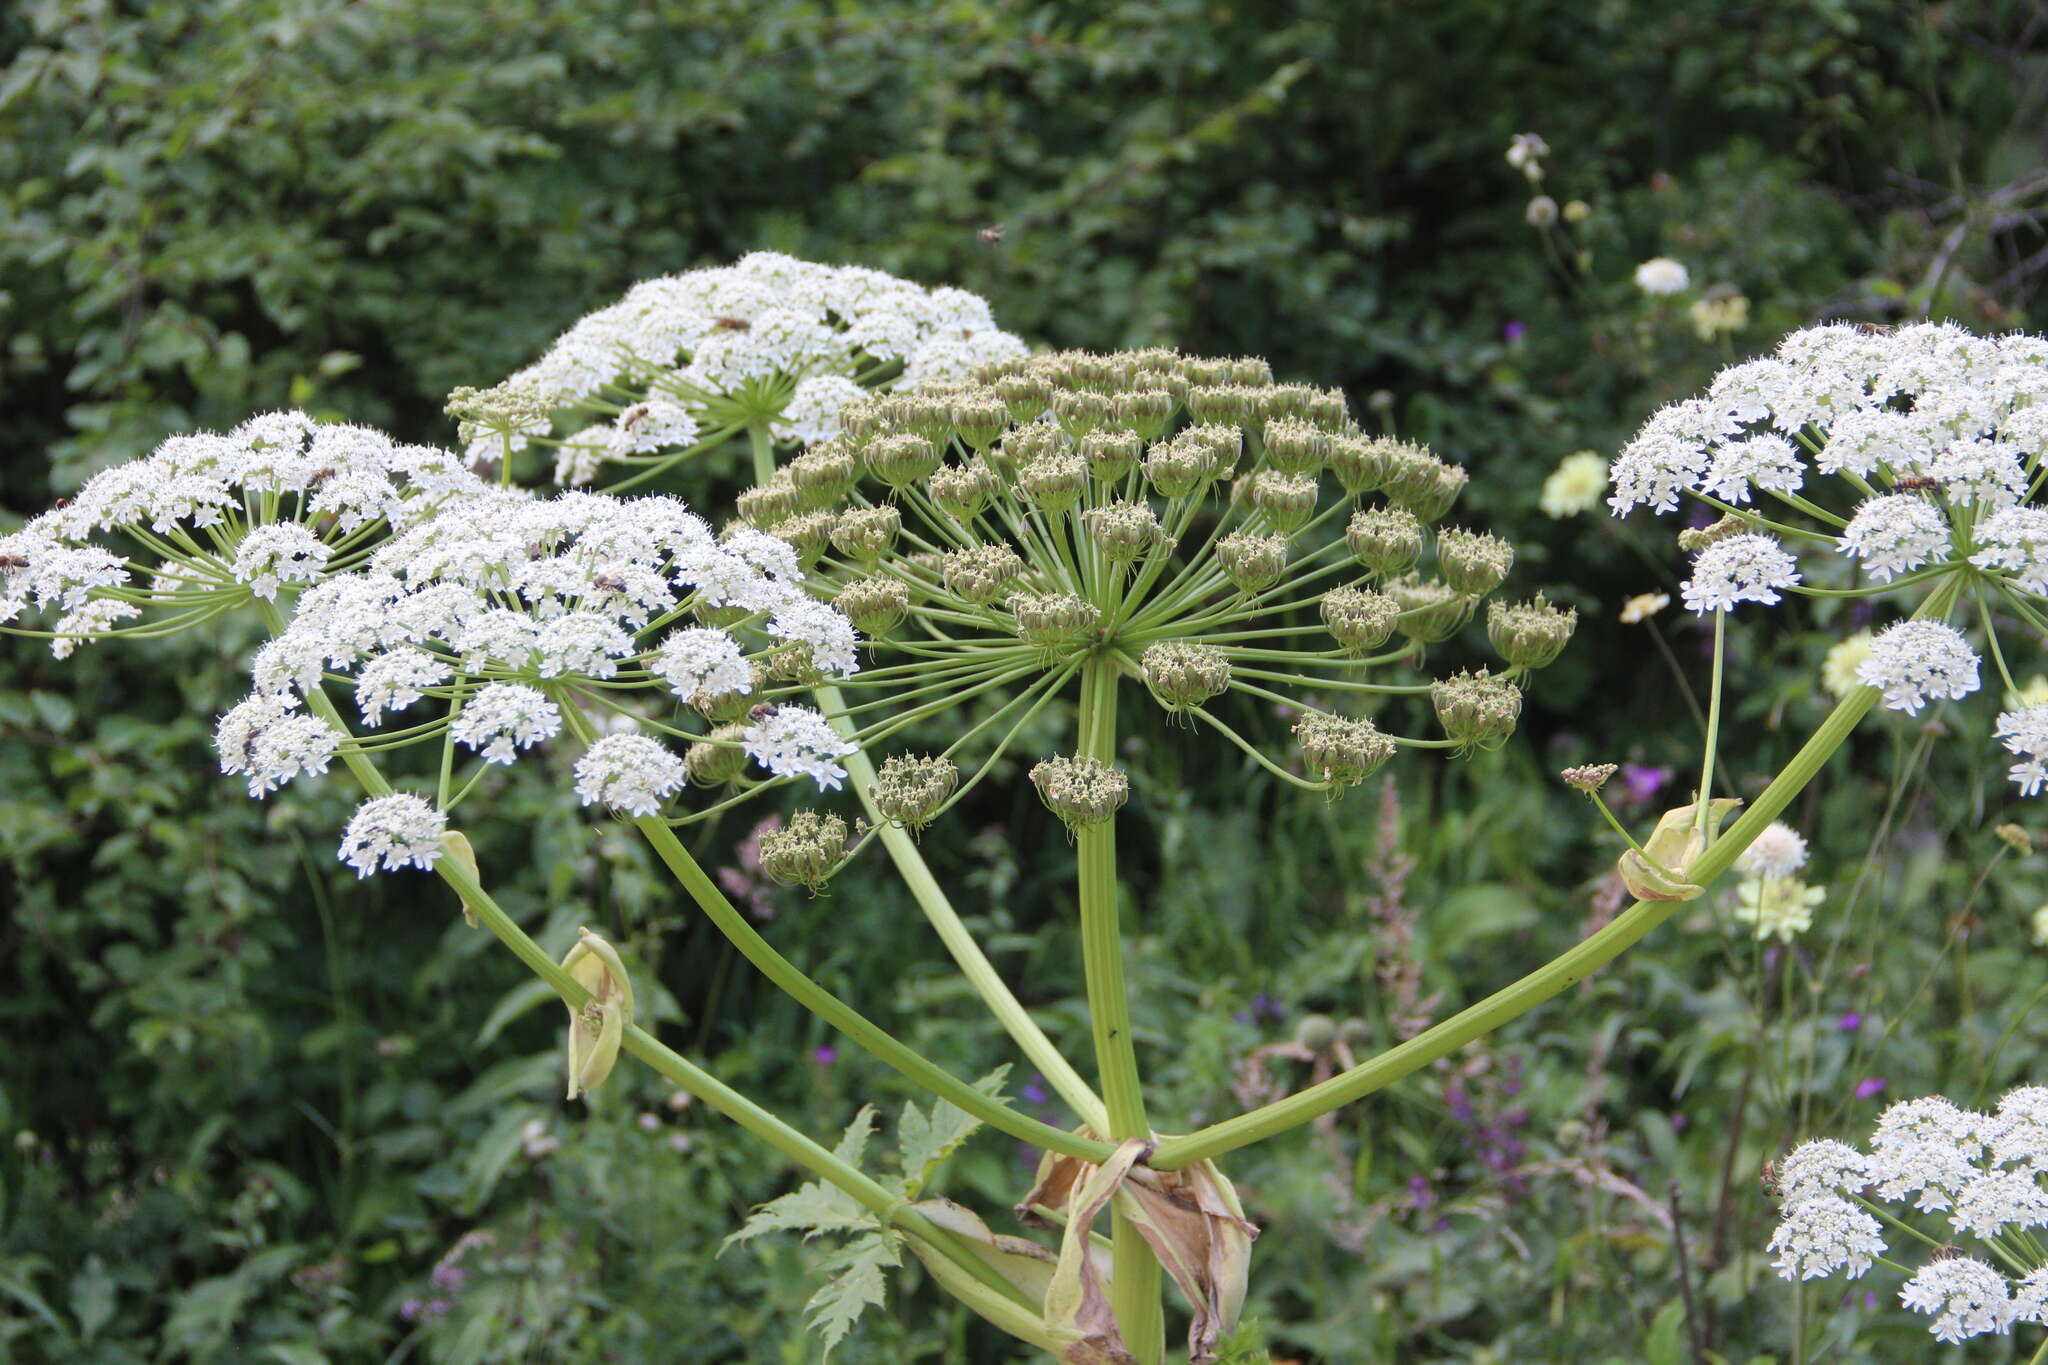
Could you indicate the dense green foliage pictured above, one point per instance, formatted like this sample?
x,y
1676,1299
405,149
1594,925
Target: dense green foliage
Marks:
x,y
250,1105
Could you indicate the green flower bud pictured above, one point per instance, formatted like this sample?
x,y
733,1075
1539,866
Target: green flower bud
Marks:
x,y
1252,563
823,475
1200,372
1080,791
763,505
794,663
1315,1032
1529,634
1027,396
1355,1034
1219,446
1360,463
1359,619
980,418
1327,409
1144,412
909,790
926,415
807,533
1285,400
876,605
1174,469
1081,412
902,458
1387,540
598,1026
980,573
1339,750
1430,610
1251,372
1053,483
1124,530
963,491
1425,486
1294,446
463,854
718,758
806,852
1111,455
1222,404
1288,500
864,534
1056,618
1477,710
1473,561
1697,538
1183,675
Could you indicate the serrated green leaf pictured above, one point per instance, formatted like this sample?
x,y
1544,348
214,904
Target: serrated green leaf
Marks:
x,y
853,1143
816,1207
923,1142
857,1282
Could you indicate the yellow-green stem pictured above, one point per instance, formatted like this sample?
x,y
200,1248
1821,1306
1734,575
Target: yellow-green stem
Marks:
x,y
1555,976
1134,1293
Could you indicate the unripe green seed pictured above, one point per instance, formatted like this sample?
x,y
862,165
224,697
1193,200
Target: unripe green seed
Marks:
x,y
1110,455
1124,530
1340,750
980,418
1359,463
1183,675
764,505
963,491
1477,710
1430,610
1080,412
807,533
1054,618
902,458
864,534
1080,791
806,852
1359,619
1294,446
1223,404
1529,634
1287,500
1055,482
1252,563
981,573
718,758
1144,412
875,605
1386,540
1027,396
1473,561
909,789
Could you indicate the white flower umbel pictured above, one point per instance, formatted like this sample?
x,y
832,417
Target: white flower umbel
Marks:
x,y
1662,275
396,680
1824,1233
2025,733
268,738
629,773
503,718
796,742
390,832
1739,568
1821,1167
1778,852
684,361
1914,661
1927,1147
2015,543
697,660
1967,1298
1895,535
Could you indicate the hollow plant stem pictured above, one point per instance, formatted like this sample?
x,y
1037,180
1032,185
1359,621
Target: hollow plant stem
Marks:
x,y
1135,1289
1560,973
981,974
764,453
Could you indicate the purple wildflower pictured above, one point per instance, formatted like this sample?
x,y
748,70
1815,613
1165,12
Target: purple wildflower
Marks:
x,y
1868,1086
1514,330
1641,781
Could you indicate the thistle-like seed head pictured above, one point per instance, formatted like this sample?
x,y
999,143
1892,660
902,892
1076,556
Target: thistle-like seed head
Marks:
x,y
1123,531
981,573
1252,562
1294,446
1529,634
980,417
1341,750
1589,777
964,491
1287,500
1054,482
808,533
764,505
910,789
901,458
824,474
876,605
1386,540
864,534
1184,675
1473,562
1359,619
1477,710
1111,455
806,851
1080,791
1056,618
1431,610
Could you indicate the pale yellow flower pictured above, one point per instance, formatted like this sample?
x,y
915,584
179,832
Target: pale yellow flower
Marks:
x,y
1643,606
1777,906
1575,485
1838,669
1713,316
2041,927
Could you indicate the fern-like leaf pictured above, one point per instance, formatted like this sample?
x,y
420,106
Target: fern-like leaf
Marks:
x,y
923,1142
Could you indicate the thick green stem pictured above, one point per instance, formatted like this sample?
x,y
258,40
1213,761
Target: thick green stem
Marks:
x,y
1556,976
764,453
1134,1293
981,974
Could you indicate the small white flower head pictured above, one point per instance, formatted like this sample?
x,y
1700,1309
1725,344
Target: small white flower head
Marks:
x,y
90,621
700,659
798,742
1575,486
2018,1134
2025,734
1839,670
1821,1167
1767,461
271,740
396,680
2030,1296
1914,661
1997,1200
1925,1146
1981,473
1778,852
390,832
1741,568
1777,907
2015,542
1823,1233
282,553
1895,535
813,412
628,772
1967,1298
503,718
1662,275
